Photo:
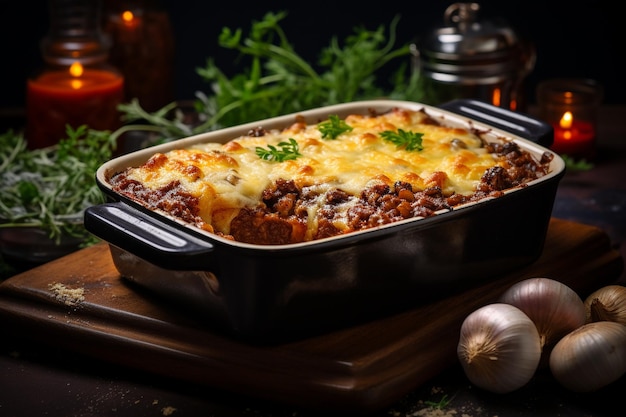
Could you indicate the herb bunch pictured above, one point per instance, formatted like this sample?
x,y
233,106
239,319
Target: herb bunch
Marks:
x,y
276,80
279,81
51,187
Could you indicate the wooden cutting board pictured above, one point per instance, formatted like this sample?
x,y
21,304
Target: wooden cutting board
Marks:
x,y
363,369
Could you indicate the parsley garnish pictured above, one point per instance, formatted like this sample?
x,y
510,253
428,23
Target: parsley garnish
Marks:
x,y
288,150
410,140
333,127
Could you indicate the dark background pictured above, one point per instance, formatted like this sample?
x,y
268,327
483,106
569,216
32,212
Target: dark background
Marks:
x,y
572,39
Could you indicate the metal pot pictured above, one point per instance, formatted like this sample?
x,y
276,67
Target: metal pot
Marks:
x,y
468,58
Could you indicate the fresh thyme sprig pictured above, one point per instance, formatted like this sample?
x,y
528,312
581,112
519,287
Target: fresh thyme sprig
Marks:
x,y
333,127
288,150
411,141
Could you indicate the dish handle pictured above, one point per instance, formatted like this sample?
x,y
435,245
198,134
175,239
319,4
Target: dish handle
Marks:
x,y
155,241
516,123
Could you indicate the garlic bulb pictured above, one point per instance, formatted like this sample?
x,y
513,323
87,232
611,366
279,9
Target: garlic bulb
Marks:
x,y
499,348
554,307
590,357
607,304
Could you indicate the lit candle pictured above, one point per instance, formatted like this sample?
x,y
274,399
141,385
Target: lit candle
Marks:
x,y
142,48
75,96
574,137
570,105
129,19
128,27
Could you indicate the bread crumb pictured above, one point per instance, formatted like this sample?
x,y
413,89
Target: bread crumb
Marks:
x,y
435,412
168,411
68,296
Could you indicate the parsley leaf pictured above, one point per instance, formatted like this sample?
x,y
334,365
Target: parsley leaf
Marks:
x,y
333,127
288,150
411,141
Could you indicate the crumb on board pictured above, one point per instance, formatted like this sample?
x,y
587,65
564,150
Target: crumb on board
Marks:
x,y
168,411
68,296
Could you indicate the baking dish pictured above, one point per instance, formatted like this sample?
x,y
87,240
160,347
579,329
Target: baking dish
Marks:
x,y
263,293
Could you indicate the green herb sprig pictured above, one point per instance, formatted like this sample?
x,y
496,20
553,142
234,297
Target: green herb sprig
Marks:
x,y
411,141
576,165
288,150
439,405
333,127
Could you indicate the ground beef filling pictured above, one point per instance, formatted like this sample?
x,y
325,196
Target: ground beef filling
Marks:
x,y
282,217
171,198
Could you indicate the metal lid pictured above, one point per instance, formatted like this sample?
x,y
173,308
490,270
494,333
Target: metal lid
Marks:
x,y
465,49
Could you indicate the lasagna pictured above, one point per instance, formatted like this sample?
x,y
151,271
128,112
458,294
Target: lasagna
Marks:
x,y
310,181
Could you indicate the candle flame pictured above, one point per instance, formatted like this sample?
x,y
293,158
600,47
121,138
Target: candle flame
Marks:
x,y
127,16
566,120
76,69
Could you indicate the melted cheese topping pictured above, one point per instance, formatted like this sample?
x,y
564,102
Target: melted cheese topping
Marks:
x,y
228,177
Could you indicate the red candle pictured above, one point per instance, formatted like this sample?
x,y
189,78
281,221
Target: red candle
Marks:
x,y
75,96
574,137
570,105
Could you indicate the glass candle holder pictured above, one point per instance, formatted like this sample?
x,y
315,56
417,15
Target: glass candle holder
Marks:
x,y
77,86
570,105
142,48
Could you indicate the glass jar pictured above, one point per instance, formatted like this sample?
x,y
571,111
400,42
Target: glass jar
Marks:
x,y
571,105
142,48
77,86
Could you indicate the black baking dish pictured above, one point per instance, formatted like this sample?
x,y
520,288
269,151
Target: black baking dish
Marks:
x,y
273,293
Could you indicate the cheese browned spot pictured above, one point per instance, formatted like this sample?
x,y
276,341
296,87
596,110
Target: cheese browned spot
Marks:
x,y
335,186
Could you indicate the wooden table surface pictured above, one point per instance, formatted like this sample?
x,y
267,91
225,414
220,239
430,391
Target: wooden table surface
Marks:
x,y
55,379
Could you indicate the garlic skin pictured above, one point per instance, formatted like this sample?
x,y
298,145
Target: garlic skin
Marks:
x,y
590,357
499,348
555,308
607,304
